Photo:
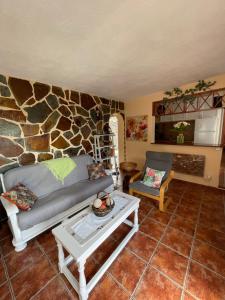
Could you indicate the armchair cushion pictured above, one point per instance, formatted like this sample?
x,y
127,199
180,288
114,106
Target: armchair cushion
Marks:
x,y
161,161
153,178
141,187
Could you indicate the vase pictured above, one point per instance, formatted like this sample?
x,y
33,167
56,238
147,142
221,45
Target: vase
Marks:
x,y
180,138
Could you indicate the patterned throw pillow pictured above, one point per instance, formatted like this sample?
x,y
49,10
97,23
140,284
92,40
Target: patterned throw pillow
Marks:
x,y
96,171
153,178
21,196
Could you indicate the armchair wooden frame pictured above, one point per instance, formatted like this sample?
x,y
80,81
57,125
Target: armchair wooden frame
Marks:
x,y
163,200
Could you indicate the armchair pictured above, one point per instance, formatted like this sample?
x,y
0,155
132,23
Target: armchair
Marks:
x,y
159,161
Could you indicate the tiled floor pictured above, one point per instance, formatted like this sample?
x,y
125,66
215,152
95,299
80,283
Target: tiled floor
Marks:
x,y
179,254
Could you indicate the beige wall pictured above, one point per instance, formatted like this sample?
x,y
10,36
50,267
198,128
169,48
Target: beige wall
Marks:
x,y
136,150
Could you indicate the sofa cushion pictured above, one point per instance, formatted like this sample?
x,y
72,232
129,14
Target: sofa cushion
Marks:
x,y
61,200
41,181
96,170
21,196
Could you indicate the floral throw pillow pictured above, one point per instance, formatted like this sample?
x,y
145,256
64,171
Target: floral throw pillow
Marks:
x,y
153,178
96,171
21,196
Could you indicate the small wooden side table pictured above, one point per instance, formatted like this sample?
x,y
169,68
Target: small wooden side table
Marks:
x,y
125,178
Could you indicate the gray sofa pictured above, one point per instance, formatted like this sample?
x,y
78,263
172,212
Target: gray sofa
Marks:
x,y
56,201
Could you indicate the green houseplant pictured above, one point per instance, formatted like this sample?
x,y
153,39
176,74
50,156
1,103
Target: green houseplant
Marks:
x,y
176,95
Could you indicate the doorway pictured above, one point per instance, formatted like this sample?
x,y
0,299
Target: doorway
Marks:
x,y
116,123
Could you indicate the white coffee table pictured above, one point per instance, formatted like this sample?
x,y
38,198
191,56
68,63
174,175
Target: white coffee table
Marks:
x,y
82,234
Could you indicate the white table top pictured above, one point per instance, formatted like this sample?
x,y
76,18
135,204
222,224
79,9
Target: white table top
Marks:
x,y
83,233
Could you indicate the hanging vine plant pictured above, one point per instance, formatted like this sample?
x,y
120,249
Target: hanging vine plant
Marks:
x,y
186,96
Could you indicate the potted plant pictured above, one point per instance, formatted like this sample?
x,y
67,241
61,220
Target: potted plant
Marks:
x,y
180,127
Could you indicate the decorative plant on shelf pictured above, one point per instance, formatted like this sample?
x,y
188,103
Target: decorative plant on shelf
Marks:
x,y
180,127
186,96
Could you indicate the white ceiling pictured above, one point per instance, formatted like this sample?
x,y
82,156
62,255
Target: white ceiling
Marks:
x,y
113,48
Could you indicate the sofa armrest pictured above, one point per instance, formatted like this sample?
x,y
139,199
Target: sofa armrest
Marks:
x,y
11,209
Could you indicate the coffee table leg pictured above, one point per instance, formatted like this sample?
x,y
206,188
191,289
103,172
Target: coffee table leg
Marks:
x,y
60,255
136,218
82,281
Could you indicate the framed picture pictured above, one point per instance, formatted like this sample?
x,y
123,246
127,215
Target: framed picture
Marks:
x,y
137,128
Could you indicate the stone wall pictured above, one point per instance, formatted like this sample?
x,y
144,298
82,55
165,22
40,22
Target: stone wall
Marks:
x,y
39,121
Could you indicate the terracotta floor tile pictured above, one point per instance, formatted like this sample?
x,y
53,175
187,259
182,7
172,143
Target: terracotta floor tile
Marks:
x,y
215,238
4,230
18,261
178,185
47,241
150,202
53,255
212,204
144,207
193,203
152,228
176,196
213,193
29,281
192,194
162,217
141,217
155,286
188,296
5,292
127,269
69,286
171,263
177,240
205,284
120,233
6,245
171,207
187,213
209,214
142,245
105,250
2,273
183,225
90,269
209,256
216,210
215,222
56,289
108,289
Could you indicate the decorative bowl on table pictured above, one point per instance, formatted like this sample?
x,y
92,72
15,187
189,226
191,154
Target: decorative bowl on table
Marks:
x,y
128,166
103,205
